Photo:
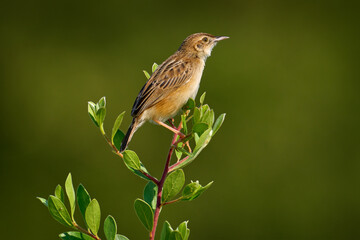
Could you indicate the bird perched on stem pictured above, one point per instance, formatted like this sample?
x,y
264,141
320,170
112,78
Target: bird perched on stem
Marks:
x,y
171,85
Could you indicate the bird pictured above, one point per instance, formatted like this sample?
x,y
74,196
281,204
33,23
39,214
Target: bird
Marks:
x,y
172,84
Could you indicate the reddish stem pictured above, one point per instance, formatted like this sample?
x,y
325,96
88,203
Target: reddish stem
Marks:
x,y
171,122
117,152
171,168
153,179
172,201
86,232
160,185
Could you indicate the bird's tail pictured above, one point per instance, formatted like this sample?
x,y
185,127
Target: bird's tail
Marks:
x,y
130,132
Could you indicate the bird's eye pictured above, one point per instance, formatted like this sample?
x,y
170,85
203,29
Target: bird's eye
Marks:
x,y
205,39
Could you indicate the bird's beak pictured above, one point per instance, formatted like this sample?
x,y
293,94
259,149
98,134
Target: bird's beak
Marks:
x,y
219,38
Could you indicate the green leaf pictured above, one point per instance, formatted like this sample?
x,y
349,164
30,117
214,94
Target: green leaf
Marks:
x,y
179,149
120,237
184,230
144,213
92,112
210,118
202,98
204,109
184,123
92,107
190,104
110,228
102,102
175,235
200,128
117,125
196,137
70,192
59,193
203,140
83,199
59,212
182,150
196,115
92,216
178,154
193,190
219,121
100,115
117,139
173,185
94,121
154,67
147,75
166,231
75,236
43,201
150,194
131,160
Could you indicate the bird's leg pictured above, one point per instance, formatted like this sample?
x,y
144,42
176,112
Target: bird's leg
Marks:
x,y
175,130
170,128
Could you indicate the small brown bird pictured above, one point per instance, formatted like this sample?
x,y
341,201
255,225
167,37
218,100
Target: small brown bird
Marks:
x,y
172,84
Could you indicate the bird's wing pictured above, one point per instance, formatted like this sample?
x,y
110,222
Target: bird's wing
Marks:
x,y
170,75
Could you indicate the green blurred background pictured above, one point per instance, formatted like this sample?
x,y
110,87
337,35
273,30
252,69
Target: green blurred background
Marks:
x,y
286,162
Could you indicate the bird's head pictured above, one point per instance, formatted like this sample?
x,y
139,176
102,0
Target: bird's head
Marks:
x,y
200,44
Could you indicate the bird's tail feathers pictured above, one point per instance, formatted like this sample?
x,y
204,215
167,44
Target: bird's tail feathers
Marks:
x,y
135,124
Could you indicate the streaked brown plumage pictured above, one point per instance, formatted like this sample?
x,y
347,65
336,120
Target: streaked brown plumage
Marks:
x,y
172,84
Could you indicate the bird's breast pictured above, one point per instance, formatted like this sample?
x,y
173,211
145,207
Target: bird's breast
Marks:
x,y
195,81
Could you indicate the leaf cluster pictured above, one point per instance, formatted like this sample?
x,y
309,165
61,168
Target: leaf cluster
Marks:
x,y
172,187
199,125
89,209
182,232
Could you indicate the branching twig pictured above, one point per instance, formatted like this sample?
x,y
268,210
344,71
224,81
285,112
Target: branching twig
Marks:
x,y
153,179
172,167
161,184
172,201
86,232
117,152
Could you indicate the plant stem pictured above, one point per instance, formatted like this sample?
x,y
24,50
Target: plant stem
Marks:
x,y
160,184
172,167
187,138
172,201
86,232
117,152
153,179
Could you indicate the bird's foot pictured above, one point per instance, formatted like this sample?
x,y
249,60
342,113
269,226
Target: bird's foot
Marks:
x,y
174,130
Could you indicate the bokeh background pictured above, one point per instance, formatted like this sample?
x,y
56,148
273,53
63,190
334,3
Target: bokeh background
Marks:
x,y
286,162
